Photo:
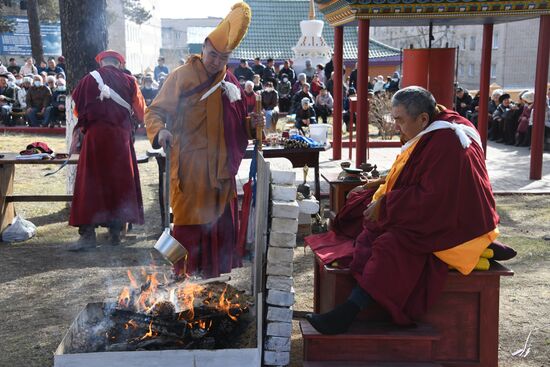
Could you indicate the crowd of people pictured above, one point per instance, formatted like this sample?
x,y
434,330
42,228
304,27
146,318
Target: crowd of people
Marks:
x,y
33,92
509,122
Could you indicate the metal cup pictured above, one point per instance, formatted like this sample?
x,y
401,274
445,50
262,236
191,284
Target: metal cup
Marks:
x,y
170,248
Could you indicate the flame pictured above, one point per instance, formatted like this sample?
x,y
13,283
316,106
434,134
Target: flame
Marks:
x,y
186,296
133,282
225,305
130,324
124,298
150,333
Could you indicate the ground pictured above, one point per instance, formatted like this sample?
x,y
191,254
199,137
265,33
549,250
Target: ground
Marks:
x,y
43,287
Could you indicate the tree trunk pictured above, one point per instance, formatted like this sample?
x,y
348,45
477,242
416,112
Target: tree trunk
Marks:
x,y
83,36
34,31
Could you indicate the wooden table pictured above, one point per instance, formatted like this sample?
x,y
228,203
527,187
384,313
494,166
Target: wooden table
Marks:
x,y
7,177
339,189
298,157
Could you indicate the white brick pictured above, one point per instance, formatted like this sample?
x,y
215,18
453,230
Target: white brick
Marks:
x,y
276,358
308,206
284,269
282,329
283,177
283,193
279,255
285,209
277,344
277,239
282,314
280,283
284,225
280,298
304,219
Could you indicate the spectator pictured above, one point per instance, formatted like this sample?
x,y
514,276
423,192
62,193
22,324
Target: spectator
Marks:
x,y
346,108
462,102
493,104
309,71
473,110
60,76
149,93
61,64
28,68
50,82
42,67
329,68
394,83
330,85
52,68
305,115
378,85
500,115
160,68
270,100
7,98
320,71
286,69
284,88
250,96
244,71
297,87
298,97
323,105
13,67
258,67
353,78
523,134
257,82
316,85
269,74
162,79
38,100
22,92
57,108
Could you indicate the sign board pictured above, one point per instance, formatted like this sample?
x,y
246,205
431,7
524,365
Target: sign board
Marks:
x,y
18,42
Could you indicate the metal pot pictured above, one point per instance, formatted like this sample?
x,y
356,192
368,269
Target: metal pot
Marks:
x,y
170,248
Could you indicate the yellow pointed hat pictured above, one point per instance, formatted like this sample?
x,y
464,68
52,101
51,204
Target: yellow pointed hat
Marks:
x,y
232,29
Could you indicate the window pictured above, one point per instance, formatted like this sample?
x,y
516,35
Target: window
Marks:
x,y
493,70
471,70
495,41
463,46
472,43
460,70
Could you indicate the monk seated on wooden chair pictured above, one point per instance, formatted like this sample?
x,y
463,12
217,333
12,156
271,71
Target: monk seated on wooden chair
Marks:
x,y
436,209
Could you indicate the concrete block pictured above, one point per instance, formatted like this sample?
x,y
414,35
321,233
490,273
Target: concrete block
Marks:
x,y
283,193
277,239
284,269
283,177
309,206
280,298
280,283
281,314
285,209
277,344
276,358
304,218
284,225
279,255
282,329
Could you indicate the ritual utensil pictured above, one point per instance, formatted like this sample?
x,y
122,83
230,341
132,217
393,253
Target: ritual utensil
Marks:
x,y
304,188
168,246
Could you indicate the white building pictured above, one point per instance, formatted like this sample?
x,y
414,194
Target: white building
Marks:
x,y
139,43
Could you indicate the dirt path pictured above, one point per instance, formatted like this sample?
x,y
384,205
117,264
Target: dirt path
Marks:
x,y
43,287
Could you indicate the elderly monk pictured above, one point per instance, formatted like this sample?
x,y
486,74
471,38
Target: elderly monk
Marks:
x,y
107,189
201,113
436,209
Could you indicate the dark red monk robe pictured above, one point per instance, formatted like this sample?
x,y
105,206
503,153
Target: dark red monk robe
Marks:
x,y
107,186
441,199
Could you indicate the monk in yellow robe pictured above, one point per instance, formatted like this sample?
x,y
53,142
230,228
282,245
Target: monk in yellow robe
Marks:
x,y
201,113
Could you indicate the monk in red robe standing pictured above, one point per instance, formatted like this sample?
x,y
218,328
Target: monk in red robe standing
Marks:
x,y
208,134
107,190
436,209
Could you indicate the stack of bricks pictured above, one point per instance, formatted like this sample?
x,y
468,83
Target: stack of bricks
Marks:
x,y
280,253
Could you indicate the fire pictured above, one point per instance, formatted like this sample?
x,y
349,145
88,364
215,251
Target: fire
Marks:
x,y
186,297
130,324
124,298
150,333
133,282
225,305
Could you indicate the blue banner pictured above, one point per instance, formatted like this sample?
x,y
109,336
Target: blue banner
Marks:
x,y
18,42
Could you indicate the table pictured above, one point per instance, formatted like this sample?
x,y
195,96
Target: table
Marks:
x,y
7,177
339,189
298,158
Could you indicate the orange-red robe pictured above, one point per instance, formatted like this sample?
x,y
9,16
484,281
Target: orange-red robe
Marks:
x,y
107,187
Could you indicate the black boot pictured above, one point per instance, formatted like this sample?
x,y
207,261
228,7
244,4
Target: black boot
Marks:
x,y
87,238
115,229
336,321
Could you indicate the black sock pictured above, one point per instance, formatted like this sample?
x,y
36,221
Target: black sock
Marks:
x,y
336,321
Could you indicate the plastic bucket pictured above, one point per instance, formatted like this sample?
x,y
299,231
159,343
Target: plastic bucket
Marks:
x,y
319,133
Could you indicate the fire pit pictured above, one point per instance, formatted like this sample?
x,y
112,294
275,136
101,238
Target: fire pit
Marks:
x,y
185,319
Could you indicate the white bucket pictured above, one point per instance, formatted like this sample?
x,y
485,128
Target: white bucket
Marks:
x,y
319,133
